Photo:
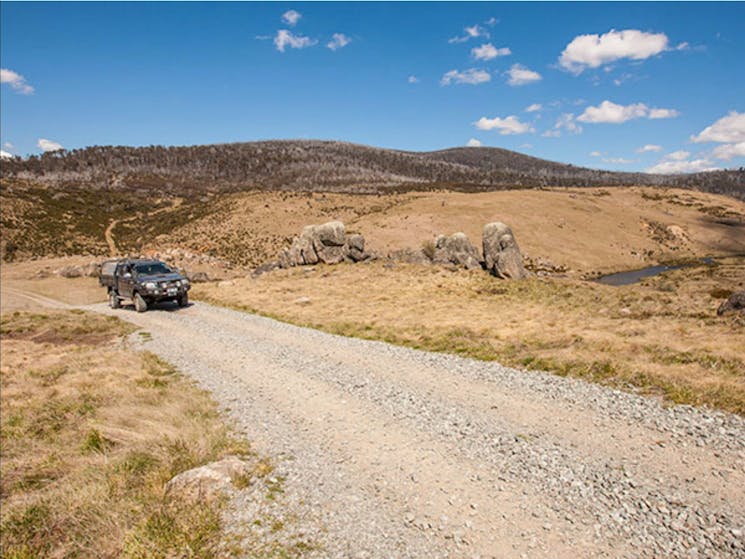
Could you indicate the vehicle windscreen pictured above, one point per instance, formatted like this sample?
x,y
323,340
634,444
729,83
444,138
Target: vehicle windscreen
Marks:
x,y
152,269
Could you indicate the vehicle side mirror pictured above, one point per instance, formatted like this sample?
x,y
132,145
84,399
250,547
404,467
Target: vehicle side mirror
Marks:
x,y
127,275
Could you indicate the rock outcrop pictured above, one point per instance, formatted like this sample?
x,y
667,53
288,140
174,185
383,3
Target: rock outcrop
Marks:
x,y
501,252
327,243
209,481
456,250
735,304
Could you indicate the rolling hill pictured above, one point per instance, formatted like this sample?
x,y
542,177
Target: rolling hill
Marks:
x,y
328,166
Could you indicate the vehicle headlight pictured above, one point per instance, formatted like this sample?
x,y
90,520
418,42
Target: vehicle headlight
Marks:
x,y
150,285
184,282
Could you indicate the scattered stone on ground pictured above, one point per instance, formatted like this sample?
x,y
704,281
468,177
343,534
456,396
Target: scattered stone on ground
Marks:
x,y
456,250
735,304
209,481
198,277
501,252
72,271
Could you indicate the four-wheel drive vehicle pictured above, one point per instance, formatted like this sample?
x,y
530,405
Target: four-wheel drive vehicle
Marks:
x,y
144,282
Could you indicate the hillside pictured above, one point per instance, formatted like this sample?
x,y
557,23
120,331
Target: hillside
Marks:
x,y
327,166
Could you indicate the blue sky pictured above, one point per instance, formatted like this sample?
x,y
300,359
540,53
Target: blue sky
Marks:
x,y
628,86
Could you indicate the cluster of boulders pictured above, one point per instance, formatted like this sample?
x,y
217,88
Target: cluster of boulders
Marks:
x,y
501,254
329,244
89,270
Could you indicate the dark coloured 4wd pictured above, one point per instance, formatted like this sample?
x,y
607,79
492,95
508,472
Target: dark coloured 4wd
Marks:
x,y
144,282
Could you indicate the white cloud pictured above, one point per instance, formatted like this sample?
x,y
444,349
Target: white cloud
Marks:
x,y
591,51
48,145
613,113
520,75
16,81
728,151
5,155
618,160
595,154
491,22
649,147
413,79
474,143
285,38
471,76
662,113
472,32
487,51
564,122
291,17
678,155
506,126
727,130
8,145
338,41
673,167
535,107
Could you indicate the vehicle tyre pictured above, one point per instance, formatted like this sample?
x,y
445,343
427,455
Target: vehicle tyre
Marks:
x,y
140,303
183,300
114,301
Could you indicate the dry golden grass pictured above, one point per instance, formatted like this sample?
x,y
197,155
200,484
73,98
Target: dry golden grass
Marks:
x,y
584,229
90,434
661,337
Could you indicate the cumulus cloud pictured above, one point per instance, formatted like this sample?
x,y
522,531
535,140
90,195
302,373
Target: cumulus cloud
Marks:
x,y
471,76
609,112
48,145
728,151
520,75
649,147
565,122
678,155
8,145
535,107
472,32
16,81
285,38
5,155
596,153
491,22
506,126
487,51
413,79
338,41
727,130
662,113
673,167
291,17
473,143
592,51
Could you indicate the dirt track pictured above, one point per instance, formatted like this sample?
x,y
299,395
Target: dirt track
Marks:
x,y
389,452
403,453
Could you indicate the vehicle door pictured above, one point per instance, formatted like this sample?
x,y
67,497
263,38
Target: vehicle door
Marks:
x,y
125,280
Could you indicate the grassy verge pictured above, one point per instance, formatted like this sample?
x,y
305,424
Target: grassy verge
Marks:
x,y
90,434
661,337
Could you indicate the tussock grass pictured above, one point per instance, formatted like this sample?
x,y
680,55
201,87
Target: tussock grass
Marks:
x,y
88,446
660,337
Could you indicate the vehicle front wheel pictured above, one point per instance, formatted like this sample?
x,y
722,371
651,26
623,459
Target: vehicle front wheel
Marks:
x,y
140,303
183,300
114,301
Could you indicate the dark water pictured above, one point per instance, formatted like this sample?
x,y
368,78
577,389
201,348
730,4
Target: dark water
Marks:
x,y
634,276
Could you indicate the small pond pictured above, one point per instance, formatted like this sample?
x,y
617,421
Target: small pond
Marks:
x,y
634,276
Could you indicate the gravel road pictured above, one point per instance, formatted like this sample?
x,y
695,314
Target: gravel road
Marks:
x,y
384,451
